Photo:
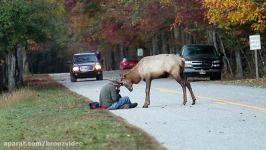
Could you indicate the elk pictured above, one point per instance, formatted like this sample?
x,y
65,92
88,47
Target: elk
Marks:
x,y
155,67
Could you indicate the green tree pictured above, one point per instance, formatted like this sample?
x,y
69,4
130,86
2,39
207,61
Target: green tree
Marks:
x,y
21,21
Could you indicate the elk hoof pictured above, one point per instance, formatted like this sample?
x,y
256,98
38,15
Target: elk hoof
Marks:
x,y
184,103
194,102
145,106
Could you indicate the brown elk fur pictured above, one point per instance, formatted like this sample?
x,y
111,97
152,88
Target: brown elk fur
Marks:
x,y
155,67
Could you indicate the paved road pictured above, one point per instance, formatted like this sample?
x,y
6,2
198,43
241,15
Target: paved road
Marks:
x,y
224,118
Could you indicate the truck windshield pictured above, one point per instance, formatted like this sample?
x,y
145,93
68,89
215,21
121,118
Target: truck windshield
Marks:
x,y
78,59
199,50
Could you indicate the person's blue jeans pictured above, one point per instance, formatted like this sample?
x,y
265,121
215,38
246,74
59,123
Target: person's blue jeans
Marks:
x,y
122,101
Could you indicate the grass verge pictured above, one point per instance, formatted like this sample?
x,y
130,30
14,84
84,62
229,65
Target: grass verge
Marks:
x,y
45,115
260,83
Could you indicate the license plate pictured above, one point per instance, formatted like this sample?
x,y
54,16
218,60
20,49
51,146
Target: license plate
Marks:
x,y
85,68
202,72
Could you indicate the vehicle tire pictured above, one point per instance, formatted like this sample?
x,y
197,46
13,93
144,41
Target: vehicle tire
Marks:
x,y
216,76
99,77
73,79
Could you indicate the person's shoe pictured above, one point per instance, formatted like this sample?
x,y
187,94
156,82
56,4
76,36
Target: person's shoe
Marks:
x,y
133,105
125,106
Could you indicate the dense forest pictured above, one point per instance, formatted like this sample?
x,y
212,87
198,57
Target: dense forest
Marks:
x,y
40,36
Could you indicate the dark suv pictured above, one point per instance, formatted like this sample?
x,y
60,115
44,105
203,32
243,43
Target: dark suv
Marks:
x,y
85,65
202,61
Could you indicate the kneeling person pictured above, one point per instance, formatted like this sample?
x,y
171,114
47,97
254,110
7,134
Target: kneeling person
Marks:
x,y
111,99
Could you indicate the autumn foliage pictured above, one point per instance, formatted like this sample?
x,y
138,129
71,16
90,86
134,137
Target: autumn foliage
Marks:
x,y
163,26
228,13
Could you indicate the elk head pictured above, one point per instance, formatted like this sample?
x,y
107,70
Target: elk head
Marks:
x,y
127,82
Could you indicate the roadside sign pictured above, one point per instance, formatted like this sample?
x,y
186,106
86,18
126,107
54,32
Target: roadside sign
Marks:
x,y
140,52
254,42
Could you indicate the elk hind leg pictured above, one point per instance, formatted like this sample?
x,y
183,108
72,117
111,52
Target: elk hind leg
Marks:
x,y
184,91
187,83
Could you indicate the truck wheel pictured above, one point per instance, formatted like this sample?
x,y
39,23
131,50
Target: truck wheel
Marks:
x,y
73,79
99,77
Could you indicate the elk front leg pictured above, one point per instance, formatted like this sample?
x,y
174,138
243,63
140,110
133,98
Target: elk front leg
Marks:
x,y
147,91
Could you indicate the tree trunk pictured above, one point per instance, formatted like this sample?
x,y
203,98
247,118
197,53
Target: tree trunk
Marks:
x,y
188,38
149,48
108,60
113,60
122,54
25,61
239,69
19,67
176,33
164,42
177,39
1,77
182,35
247,61
215,40
262,60
210,37
172,44
227,65
10,72
155,46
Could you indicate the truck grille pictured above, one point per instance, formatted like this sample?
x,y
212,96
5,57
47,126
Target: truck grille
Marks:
x,y
199,65
85,68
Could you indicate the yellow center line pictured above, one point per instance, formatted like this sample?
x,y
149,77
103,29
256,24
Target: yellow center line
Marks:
x,y
216,100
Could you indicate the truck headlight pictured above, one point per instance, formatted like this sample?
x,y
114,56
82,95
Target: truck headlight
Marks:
x,y
188,64
216,63
75,68
98,67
